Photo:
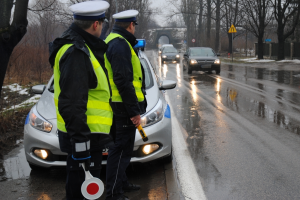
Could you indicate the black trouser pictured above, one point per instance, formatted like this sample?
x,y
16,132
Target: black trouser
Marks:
x,y
75,173
119,156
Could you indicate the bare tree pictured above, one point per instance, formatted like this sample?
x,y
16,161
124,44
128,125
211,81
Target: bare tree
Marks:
x,y
11,33
258,16
286,13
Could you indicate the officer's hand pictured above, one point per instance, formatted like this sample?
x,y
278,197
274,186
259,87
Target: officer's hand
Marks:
x,y
81,153
136,120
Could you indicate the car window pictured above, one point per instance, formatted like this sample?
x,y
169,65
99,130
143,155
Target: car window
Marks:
x,y
202,52
148,75
169,50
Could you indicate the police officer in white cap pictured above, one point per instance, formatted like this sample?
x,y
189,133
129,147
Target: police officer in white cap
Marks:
x,y
128,101
82,93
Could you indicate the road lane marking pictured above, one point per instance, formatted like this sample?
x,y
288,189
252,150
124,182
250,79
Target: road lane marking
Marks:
x,y
186,172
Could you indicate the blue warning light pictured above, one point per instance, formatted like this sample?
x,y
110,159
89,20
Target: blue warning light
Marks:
x,y
141,43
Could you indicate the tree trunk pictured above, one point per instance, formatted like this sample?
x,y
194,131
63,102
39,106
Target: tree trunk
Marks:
x,y
208,25
280,36
280,55
260,47
11,35
200,25
217,40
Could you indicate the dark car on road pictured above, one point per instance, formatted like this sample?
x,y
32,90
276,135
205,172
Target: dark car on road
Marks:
x,y
169,54
201,59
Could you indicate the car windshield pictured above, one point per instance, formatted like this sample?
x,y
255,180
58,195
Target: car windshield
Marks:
x,y
169,50
202,52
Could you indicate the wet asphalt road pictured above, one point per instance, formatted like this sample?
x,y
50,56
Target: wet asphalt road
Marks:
x,y
242,128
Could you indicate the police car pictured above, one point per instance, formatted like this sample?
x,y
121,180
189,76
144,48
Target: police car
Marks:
x,y
40,131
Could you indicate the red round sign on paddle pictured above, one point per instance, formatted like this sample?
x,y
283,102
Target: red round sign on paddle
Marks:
x,y
91,188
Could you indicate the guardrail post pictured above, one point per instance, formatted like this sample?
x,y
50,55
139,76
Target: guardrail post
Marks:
x,y
270,50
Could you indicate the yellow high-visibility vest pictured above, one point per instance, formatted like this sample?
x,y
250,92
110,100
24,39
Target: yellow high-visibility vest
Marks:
x,y
137,73
99,113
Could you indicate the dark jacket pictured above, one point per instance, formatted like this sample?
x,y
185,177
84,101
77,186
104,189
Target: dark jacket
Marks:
x,y
119,56
76,78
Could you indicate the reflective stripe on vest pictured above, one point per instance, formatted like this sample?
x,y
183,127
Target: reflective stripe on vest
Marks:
x,y
137,73
99,113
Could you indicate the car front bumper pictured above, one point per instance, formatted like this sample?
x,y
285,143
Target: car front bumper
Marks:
x,y
159,133
206,67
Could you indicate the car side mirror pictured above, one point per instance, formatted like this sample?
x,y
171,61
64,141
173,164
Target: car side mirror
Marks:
x,y
167,85
38,89
218,54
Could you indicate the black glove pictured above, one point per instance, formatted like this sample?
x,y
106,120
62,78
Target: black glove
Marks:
x,y
81,153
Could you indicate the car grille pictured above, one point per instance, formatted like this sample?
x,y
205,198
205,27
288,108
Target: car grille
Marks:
x,y
205,61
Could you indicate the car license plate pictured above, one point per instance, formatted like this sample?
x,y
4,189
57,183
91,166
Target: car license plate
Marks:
x,y
105,152
206,66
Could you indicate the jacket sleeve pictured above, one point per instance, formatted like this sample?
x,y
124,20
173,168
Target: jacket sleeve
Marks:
x,y
119,56
74,85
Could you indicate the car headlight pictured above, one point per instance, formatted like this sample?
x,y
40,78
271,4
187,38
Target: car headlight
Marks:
x,y
193,61
217,61
164,56
177,56
38,122
154,116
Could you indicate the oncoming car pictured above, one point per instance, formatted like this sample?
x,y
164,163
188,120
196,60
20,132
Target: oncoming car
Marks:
x,y
201,59
162,46
169,54
40,131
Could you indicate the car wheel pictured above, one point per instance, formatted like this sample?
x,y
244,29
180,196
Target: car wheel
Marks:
x,y
37,168
189,70
218,71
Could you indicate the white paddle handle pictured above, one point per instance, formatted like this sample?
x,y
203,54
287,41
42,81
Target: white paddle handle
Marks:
x,y
88,175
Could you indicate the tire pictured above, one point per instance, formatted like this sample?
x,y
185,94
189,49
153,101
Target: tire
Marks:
x,y
189,70
37,168
218,71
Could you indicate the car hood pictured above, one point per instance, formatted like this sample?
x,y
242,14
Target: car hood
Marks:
x,y
203,57
46,107
170,54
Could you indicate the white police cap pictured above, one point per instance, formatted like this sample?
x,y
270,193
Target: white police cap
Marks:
x,y
126,16
89,10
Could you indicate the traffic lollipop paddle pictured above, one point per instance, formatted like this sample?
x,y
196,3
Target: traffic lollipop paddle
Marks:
x,y
91,188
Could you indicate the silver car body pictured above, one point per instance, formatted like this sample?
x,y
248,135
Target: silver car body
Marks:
x,y
159,132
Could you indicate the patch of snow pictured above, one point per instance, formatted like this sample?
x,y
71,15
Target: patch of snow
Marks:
x,y
5,98
23,91
297,75
13,87
290,61
255,60
33,99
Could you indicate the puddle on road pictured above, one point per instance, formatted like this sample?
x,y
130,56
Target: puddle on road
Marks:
x,y
14,165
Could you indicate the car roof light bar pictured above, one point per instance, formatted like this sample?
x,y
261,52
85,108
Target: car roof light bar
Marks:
x,y
141,44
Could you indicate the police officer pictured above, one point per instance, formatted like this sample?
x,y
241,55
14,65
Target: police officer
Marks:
x,y
82,93
128,101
